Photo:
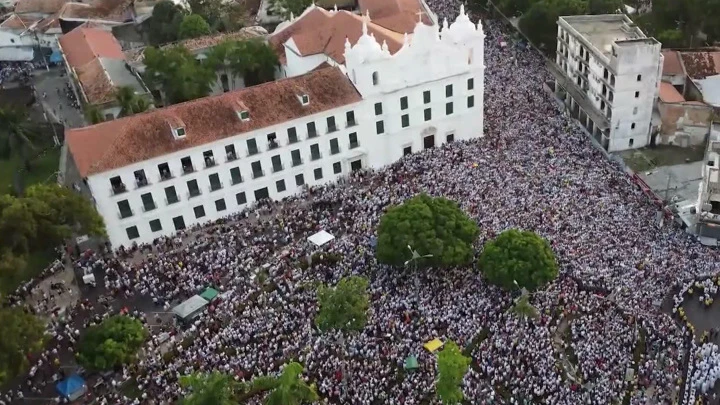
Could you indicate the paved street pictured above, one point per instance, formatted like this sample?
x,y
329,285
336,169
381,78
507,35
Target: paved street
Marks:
x,y
57,104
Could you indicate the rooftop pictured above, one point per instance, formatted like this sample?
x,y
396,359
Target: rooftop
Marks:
x,y
671,63
319,31
18,22
121,142
669,94
107,10
39,6
396,15
82,45
604,30
700,65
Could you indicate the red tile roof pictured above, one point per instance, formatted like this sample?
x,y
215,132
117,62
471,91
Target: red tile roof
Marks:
x,y
671,63
82,45
16,22
321,31
700,65
124,141
669,94
396,15
95,82
39,6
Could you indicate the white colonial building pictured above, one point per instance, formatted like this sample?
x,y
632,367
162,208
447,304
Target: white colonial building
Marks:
x,y
161,171
608,73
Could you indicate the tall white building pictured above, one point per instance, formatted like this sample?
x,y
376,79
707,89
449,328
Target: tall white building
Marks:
x,y
708,205
164,170
608,72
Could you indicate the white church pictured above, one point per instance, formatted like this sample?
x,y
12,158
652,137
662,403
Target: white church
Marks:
x,y
355,94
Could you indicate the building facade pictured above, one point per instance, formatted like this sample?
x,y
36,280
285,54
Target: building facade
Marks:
x,y
708,205
155,173
608,73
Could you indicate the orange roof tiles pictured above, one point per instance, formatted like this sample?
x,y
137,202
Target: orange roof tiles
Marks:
x,y
396,15
82,45
700,65
108,10
671,63
321,31
124,141
95,82
39,6
669,94
16,22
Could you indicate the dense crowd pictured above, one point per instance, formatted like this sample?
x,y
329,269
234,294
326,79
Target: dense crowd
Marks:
x,y
20,71
534,169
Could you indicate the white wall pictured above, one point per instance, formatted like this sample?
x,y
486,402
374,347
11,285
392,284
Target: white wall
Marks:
x,y
297,64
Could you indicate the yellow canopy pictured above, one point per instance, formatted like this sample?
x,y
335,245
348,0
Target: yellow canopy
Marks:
x,y
433,345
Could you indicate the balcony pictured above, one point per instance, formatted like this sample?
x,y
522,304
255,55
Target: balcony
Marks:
x,y
332,128
149,207
273,145
297,162
166,176
231,156
312,134
125,214
193,193
140,183
278,168
253,151
351,123
216,186
118,188
188,169
258,173
171,200
209,162
354,145
315,156
293,139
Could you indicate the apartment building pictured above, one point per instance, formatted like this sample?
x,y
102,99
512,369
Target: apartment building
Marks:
x,y
161,171
608,74
708,206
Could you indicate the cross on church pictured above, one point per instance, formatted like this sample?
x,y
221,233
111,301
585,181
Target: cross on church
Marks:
x,y
420,14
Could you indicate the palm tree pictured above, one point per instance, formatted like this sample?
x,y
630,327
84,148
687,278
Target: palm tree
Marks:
x,y
130,103
17,133
93,115
291,389
523,308
210,389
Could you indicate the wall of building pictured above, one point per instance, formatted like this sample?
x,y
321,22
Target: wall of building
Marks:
x,y
693,127
297,65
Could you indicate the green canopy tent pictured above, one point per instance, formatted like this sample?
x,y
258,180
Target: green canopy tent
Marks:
x,y
209,294
411,363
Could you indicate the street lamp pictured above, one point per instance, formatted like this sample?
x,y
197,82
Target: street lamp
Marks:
x,y
414,260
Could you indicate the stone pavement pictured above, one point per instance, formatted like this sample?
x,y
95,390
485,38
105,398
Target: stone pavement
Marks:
x,y
57,106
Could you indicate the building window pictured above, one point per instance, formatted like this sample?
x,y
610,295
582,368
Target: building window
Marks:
x,y
635,110
276,163
450,138
125,210
353,140
378,108
350,118
428,114
199,211
448,90
215,183
315,152
331,127
170,195
337,167
605,73
230,154
299,180
257,169
220,205
318,173
240,198
140,178
448,108
334,146
295,157
164,170
407,150
148,202
471,83
272,141
252,147
375,78
426,96
292,135
639,77
632,141
193,188
179,223
632,126
471,101
235,176
405,120
312,131
403,103
132,232
155,225
280,185
379,127
208,158
637,94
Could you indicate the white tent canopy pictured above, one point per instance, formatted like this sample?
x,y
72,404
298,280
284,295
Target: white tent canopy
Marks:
x,y
320,238
190,307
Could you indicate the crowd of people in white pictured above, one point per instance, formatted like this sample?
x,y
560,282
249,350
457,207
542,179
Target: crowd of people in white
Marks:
x,y
534,169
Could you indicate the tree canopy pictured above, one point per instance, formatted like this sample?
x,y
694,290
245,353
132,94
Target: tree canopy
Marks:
x,y
291,389
430,226
251,59
177,73
210,389
112,343
17,133
220,15
344,307
130,103
193,26
518,256
164,25
451,366
286,8
21,334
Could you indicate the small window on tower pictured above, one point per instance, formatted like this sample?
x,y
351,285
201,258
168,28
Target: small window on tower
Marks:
x,y
375,78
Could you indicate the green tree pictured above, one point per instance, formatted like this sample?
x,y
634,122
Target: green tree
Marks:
x,y
513,8
178,74
605,6
286,8
18,226
451,366
130,103
539,23
254,60
672,38
343,309
21,334
431,226
193,26
523,308
164,25
93,115
17,134
112,343
11,265
521,257
210,389
291,389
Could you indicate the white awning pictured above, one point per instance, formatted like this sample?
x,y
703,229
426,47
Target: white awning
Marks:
x,y
320,238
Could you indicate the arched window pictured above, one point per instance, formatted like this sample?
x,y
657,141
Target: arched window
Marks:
x,y
376,78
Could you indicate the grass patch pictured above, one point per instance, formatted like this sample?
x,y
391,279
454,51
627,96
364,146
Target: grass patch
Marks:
x,y
645,159
36,263
41,170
